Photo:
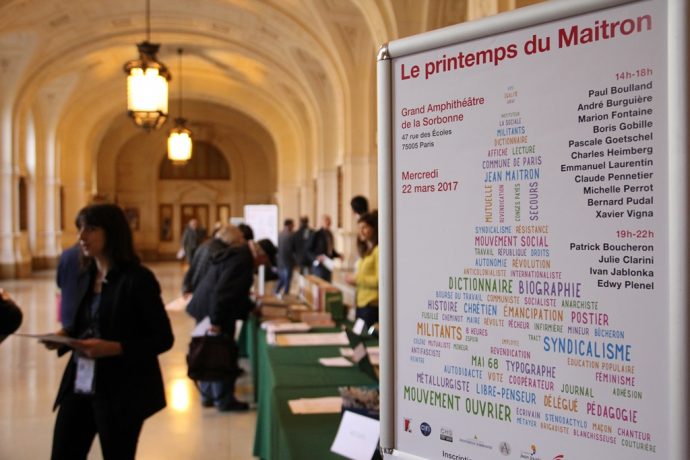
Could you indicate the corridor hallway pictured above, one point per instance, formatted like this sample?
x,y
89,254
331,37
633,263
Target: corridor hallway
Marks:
x,y
29,378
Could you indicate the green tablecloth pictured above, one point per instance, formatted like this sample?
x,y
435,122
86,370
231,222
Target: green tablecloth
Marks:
x,y
286,373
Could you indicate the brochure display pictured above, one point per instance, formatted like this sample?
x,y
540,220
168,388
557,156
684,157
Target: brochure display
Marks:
x,y
263,219
533,203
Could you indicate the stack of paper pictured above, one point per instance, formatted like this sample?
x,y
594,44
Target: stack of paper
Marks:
x,y
321,338
337,361
287,327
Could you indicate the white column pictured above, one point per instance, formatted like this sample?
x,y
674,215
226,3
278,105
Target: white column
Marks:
x,y
327,182
15,53
50,102
8,193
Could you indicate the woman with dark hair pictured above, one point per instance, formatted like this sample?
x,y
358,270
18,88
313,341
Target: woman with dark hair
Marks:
x,y
113,381
366,277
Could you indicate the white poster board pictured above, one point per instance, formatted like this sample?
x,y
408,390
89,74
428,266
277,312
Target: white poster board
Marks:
x,y
263,219
530,236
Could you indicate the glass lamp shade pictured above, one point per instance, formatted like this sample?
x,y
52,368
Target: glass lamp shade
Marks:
x,y
147,88
179,143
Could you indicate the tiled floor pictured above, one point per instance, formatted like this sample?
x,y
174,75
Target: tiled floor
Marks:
x,y
29,376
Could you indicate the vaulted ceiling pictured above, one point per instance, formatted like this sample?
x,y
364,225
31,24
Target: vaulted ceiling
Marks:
x,y
295,67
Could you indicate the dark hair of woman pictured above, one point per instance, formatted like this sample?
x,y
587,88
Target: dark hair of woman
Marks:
x,y
119,245
247,231
372,220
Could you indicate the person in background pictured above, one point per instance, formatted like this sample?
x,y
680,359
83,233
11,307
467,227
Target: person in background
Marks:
x,y
202,259
259,255
360,206
66,279
192,237
223,296
301,239
10,315
112,382
286,257
366,277
321,250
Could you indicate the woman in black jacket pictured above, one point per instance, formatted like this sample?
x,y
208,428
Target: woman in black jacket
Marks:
x,y
113,381
223,296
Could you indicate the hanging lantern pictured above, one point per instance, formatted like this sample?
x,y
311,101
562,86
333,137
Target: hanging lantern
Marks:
x,y
180,138
180,143
147,84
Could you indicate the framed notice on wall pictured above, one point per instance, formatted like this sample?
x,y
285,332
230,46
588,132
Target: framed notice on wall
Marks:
x,y
533,188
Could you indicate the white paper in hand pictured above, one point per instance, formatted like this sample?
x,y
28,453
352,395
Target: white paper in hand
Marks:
x,y
202,327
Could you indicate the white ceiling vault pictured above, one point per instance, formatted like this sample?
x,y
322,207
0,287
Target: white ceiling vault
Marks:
x,y
302,69
301,72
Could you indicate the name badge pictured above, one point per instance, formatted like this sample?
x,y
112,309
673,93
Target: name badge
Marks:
x,y
84,381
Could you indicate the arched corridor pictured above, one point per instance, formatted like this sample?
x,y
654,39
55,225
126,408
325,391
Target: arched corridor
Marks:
x,y
285,91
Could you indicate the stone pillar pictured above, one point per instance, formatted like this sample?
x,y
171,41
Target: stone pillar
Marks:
x,y
360,178
8,194
326,199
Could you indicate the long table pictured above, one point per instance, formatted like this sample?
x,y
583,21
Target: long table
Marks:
x,y
286,373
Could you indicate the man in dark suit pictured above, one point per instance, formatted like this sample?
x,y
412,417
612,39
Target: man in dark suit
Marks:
x,y
322,251
301,238
286,257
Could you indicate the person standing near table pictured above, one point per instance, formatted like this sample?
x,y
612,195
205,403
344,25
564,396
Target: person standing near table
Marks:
x,y
286,257
223,296
112,382
301,239
321,248
366,277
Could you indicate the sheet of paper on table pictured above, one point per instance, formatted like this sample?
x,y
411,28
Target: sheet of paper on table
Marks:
x,y
288,327
338,361
320,338
265,324
325,405
357,437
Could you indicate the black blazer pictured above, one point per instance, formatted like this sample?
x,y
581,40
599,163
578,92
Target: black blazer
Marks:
x,y
131,312
319,244
223,293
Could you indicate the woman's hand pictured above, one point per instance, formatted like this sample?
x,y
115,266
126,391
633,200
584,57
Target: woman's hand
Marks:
x,y
97,348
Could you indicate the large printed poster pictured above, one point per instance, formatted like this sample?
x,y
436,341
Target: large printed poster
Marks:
x,y
530,217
